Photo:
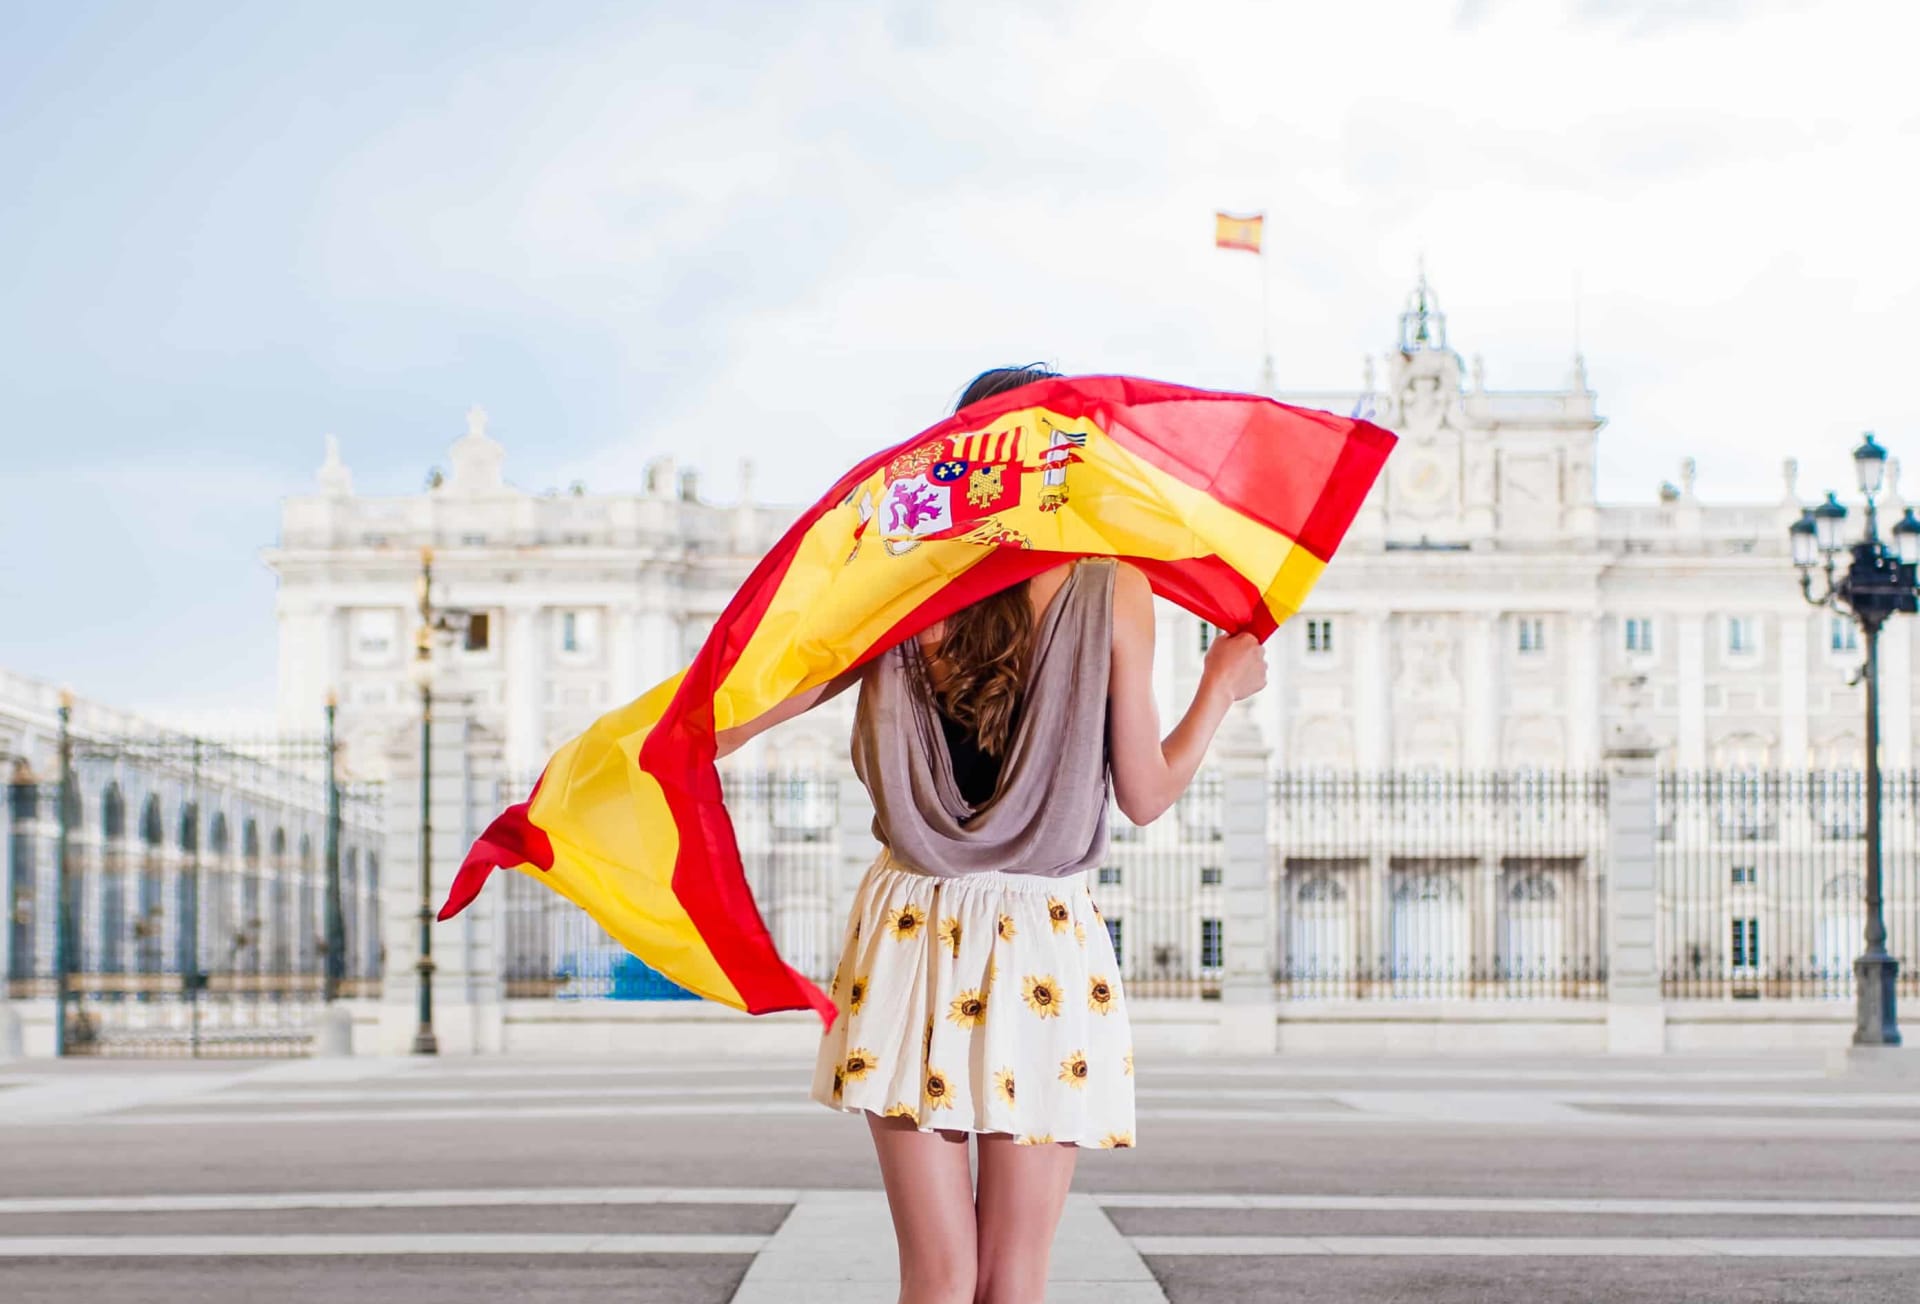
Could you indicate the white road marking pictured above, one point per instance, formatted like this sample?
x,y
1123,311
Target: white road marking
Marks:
x,y
837,1247
1531,1247
533,1197
306,1246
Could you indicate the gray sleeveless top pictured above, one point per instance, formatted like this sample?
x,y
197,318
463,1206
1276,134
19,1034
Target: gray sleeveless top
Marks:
x,y
1048,816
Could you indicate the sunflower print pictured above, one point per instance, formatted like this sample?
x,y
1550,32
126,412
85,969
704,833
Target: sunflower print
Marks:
x,y
1129,1063
1005,928
1099,995
839,1080
1116,1141
1079,932
1073,1069
906,922
926,1041
993,971
1057,912
1042,995
938,1091
1043,1139
857,993
860,1062
1003,1086
856,930
902,1109
969,1009
950,933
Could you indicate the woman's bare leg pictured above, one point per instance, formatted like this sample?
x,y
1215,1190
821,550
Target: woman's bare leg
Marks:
x,y
1022,1191
930,1193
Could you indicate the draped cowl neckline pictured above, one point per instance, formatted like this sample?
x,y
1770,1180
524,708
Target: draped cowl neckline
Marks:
x,y
1048,811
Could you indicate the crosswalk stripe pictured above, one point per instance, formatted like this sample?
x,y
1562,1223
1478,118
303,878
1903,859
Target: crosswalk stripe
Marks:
x,y
1532,1247
360,1244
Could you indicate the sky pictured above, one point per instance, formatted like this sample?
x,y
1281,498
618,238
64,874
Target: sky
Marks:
x,y
790,232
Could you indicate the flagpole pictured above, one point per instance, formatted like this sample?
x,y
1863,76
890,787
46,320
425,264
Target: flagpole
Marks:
x,y
1266,322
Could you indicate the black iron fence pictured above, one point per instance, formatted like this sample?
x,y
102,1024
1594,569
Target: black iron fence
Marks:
x,y
188,876
1761,880
1434,885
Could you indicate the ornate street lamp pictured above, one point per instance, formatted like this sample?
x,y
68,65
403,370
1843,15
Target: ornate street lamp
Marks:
x,y
1877,582
435,623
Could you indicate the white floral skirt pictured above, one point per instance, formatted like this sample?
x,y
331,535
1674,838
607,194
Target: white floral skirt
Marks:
x,y
988,1002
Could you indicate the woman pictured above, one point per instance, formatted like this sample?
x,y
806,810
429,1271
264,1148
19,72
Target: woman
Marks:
x,y
978,990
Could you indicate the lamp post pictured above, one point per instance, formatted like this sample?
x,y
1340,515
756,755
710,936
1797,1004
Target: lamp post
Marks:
x,y
1877,582
434,623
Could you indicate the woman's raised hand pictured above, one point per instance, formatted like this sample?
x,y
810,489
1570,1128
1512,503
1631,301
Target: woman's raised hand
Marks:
x,y
1238,664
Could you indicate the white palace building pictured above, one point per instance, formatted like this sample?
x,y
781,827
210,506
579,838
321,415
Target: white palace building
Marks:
x,y
1486,611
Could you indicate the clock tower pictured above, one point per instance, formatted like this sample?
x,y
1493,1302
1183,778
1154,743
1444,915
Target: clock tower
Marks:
x,y
1425,502
1476,469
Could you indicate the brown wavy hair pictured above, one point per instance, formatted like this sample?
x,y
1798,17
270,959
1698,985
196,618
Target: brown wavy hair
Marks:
x,y
984,644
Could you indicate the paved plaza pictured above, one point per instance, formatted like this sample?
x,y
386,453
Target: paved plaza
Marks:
x,y
1275,1179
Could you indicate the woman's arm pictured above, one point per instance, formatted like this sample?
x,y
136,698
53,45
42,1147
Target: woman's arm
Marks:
x,y
1150,773
731,740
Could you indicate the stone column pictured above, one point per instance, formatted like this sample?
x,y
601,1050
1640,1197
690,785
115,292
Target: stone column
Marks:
x,y
525,708
1247,1012
1896,689
467,761
1583,689
1793,691
1636,1017
1481,738
1373,693
1692,650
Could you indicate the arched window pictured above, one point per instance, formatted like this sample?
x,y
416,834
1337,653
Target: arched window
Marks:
x,y
1428,928
1320,948
1843,927
190,827
250,841
150,827
1531,927
217,834
278,846
113,813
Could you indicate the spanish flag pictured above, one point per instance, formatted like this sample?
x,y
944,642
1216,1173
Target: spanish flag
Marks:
x,y
1230,232
1231,504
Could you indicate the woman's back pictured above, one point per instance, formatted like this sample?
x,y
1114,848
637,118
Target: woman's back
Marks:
x,y
1047,812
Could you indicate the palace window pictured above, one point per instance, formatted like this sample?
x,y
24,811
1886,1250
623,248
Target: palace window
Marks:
x,y
1533,634
1210,876
1113,935
1212,944
1639,634
1206,636
479,631
376,632
1740,635
1320,636
1743,875
578,632
1842,634
1746,943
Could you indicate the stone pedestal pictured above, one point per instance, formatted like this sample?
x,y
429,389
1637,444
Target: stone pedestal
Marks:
x,y
1636,1014
1248,1011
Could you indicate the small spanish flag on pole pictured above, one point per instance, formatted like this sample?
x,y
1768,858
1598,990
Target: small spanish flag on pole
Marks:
x,y
1231,504
1231,231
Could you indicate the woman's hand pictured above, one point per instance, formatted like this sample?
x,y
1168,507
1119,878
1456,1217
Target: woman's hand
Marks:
x,y
1236,665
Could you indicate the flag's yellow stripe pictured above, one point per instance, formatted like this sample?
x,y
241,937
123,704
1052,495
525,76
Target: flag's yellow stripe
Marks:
x,y
595,795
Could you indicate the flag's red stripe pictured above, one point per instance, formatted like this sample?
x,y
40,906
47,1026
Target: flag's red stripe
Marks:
x,y
512,839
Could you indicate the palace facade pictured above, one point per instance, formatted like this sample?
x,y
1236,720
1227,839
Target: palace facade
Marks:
x,y
1485,612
